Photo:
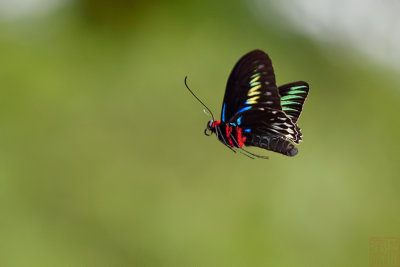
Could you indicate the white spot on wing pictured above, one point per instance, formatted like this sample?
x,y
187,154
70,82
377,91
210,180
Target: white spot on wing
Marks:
x,y
273,130
277,127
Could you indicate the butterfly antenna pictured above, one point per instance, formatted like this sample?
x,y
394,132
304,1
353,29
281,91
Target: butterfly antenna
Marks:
x,y
199,99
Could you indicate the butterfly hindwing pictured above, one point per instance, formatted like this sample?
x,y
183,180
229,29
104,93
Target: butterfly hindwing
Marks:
x,y
251,82
265,121
293,96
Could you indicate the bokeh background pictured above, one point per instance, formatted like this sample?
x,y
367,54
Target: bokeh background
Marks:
x,y
103,157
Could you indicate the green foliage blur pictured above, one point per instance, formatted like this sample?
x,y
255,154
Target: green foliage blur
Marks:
x,y
104,161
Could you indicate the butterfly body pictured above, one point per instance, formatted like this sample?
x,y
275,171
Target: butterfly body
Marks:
x,y
234,136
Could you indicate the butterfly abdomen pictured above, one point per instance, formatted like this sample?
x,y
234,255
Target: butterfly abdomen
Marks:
x,y
277,144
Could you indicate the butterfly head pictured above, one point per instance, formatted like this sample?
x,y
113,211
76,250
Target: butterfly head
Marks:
x,y
210,129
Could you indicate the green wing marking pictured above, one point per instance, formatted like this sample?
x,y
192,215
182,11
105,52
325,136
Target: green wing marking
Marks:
x,y
289,97
293,96
293,92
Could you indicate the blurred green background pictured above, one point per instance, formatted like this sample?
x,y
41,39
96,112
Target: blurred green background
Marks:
x,y
104,161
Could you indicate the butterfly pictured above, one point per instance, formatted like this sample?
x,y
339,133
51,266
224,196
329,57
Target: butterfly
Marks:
x,y
255,112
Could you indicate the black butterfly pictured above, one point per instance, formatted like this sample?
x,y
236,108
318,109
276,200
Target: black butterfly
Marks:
x,y
256,112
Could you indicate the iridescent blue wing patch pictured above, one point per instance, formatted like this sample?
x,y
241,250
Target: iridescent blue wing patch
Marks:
x,y
293,96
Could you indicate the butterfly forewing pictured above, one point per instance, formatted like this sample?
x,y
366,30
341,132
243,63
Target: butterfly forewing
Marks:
x,y
252,82
293,96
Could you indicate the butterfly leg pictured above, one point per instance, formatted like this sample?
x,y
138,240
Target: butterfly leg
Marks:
x,y
223,138
255,155
245,154
252,154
